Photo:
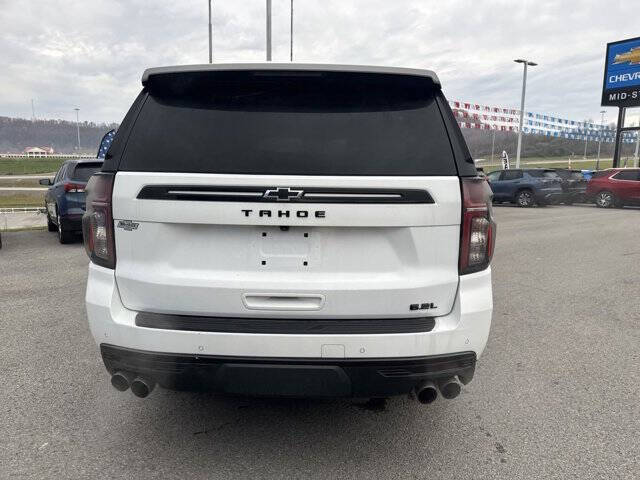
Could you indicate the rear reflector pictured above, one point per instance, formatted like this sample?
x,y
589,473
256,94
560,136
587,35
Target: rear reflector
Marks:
x,y
97,222
478,229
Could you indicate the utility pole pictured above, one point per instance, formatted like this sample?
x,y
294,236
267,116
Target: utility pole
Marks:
x,y
602,112
268,30
291,35
526,64
210,36
586,139
493,144
78,126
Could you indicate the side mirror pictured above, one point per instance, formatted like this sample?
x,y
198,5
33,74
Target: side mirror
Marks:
x,y
45,181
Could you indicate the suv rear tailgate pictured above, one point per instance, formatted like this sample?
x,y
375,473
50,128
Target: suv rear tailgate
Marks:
x,y
353,260
368,224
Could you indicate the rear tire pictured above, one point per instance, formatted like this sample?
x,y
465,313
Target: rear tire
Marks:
x,y
525,199
50,225
605,199
63,235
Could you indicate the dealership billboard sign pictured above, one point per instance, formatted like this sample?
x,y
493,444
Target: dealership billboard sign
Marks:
x,y
621,86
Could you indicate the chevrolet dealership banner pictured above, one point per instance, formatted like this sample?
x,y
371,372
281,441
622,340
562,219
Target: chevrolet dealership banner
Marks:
x,y
621,86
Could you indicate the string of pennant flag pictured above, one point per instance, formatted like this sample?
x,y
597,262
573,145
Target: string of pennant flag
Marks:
x,y
484,117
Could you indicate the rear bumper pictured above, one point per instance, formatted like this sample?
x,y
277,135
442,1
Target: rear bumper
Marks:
x,y
71,222
288,377
464,329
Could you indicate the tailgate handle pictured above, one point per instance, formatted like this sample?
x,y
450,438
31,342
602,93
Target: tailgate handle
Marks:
x,y
277,301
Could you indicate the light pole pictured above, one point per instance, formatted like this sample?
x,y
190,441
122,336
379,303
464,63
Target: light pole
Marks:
x,y
291,35
268,30
526,64
602,112
493,144
78,126
210,36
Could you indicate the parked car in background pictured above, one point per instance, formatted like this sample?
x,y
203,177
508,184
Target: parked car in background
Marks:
x,y
65,199
526,187
574,185
615,187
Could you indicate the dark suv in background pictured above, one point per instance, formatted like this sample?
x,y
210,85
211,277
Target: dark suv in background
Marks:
x,y
526,187
65,199
574,185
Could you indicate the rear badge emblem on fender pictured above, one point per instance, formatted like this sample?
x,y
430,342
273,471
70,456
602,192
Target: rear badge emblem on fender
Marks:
x,y
128,225
422,306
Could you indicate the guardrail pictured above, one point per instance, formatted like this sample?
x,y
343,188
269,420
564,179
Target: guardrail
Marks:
x,y
22,210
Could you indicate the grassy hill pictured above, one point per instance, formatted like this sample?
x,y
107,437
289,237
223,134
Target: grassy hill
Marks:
x,y
16,134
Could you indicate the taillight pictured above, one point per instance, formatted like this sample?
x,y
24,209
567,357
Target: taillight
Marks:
x,y
478,232
74,187
97,222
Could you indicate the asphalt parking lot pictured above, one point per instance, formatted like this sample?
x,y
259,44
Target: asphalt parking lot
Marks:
x,y
555,394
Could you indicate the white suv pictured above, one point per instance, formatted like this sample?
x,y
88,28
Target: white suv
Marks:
x,y
290,230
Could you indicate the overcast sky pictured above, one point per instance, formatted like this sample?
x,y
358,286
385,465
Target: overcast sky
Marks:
x,y
91,53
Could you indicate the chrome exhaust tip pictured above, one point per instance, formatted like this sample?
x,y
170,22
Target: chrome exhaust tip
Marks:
x,y
426,393
449,388
142,387
121,381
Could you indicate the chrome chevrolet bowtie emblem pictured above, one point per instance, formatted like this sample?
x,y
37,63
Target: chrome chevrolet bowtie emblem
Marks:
x,y
283,194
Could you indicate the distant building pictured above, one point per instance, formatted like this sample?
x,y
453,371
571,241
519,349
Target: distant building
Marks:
x,y
38,151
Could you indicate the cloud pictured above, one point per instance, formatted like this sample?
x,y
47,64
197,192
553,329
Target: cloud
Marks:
x,y
67,53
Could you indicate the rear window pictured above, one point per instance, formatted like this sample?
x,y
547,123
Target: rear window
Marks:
x,y
312,123
83,171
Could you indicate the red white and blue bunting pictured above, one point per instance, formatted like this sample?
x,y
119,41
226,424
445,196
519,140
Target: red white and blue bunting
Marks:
x,y
484,117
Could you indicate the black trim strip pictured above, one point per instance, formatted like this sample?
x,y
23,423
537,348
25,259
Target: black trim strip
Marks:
x,y
270,194
284,326
448,360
